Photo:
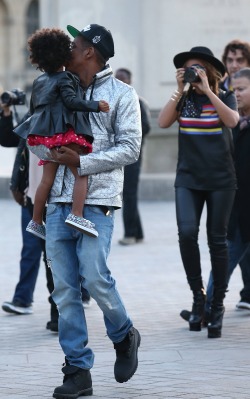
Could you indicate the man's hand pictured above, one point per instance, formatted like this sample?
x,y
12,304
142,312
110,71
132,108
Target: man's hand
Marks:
x,y
19,197
6,109
65,156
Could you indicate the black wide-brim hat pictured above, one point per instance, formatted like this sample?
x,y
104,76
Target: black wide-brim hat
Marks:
x,y
202,53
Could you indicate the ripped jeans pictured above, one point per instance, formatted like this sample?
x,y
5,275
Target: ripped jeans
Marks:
x,y
76,259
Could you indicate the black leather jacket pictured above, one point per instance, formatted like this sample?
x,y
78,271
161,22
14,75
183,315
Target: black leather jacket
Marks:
x,y
56,102
20,172
7,137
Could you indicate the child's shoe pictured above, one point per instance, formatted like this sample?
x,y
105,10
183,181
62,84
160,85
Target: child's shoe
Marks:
x,y
36,229
81,224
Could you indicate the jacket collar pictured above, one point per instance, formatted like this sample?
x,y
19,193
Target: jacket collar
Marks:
x,y
99,78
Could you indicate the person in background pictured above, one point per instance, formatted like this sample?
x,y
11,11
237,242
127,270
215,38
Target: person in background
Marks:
x,y
205,173
133,231
32,247
236,56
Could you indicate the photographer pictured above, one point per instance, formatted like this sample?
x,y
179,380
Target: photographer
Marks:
x,y
205,173
21,185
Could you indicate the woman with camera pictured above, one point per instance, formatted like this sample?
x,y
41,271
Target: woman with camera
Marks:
x,y
205,173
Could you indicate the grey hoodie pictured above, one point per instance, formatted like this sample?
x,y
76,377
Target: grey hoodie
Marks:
x,y
117,140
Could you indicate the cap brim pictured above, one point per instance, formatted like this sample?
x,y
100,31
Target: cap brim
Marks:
x,y
73,31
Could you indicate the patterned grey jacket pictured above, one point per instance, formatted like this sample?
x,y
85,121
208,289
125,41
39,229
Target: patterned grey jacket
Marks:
x,y
117,141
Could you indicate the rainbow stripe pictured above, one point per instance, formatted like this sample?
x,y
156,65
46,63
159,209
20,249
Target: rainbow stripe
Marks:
x,y
207,124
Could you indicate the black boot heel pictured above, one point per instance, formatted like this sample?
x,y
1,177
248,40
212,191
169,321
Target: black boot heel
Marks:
x,y
215,326
195,325
196,317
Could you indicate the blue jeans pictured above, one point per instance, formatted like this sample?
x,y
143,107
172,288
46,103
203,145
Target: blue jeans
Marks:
x,y
77,259
29,263
237,250
245,271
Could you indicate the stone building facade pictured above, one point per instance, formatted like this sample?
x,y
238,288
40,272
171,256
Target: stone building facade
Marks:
x,y
147,34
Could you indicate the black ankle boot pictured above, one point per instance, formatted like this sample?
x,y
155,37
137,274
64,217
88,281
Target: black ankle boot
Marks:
x,y
217,312
197,313
215,325
77,382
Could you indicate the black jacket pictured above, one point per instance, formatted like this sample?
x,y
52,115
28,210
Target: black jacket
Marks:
x,y
7,136
20,172
241,209
145,117
55,100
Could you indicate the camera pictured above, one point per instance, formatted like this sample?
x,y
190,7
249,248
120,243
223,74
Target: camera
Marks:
x,y
191,75
13,97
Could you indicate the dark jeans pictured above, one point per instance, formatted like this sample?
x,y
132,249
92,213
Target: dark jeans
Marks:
x,y
189,207
131,216
245,271
29,263
239,253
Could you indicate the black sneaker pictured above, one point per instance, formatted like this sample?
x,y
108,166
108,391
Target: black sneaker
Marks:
x,y
243,304
127,356
77,382
52,325
16,307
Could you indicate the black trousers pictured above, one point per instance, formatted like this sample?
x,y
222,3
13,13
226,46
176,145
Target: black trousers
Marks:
x,y
189,207
131,217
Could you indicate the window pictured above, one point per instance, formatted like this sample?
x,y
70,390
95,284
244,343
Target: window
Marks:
x,y
32,23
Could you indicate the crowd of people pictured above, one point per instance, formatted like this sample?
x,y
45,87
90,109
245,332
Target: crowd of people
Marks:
x,y
87,126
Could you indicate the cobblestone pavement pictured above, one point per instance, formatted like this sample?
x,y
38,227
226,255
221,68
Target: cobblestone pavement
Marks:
x,y
173,362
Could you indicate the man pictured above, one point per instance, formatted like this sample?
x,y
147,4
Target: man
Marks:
x,y
236,56
21,303
78,259
133,231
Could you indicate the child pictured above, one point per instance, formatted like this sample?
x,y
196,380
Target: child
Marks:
x,y
55,98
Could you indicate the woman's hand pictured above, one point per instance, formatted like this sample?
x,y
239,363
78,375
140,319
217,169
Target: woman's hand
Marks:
x,y
203,84
179,78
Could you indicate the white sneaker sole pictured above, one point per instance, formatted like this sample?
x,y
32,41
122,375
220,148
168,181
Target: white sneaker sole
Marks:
x,y
86,230
35,233
243,306
16,309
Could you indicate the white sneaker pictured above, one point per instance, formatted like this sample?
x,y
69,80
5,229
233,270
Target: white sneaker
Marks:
x,y
36,229
130,241
17,308
81,224
87,303
243,305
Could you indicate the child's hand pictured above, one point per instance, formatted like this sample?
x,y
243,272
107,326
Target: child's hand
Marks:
x,y
103,106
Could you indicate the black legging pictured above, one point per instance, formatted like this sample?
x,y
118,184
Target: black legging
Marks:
x,y
189,206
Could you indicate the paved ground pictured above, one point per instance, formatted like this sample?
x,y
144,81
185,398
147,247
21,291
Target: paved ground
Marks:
x,y
174,362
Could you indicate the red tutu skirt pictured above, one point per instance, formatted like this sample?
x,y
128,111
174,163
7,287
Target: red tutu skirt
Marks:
x,y
60,139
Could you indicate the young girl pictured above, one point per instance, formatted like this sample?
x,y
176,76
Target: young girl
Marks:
x,y
56,97
205,173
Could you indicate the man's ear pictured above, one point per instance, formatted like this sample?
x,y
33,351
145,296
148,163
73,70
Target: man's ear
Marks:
x,y
90,52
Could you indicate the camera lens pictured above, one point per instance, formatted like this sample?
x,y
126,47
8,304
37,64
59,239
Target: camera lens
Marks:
x,y
191,75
